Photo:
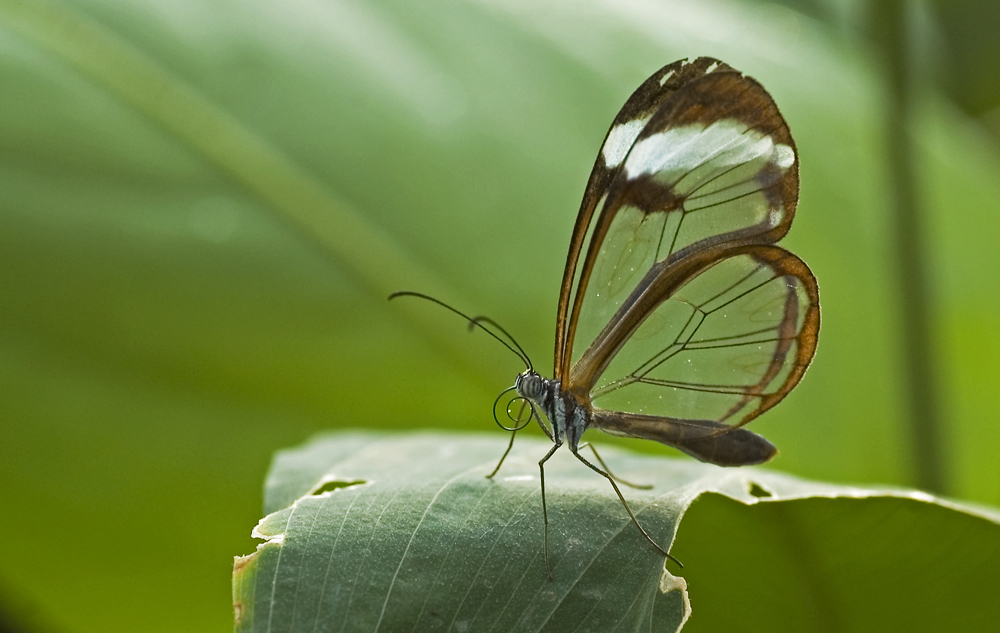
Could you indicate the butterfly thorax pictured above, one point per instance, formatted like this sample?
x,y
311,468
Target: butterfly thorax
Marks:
x,y
568,416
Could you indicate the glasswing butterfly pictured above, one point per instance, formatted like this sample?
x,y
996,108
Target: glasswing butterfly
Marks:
x,y
678,320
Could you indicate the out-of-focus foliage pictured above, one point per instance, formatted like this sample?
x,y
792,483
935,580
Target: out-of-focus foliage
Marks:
x,y
167,320
969,67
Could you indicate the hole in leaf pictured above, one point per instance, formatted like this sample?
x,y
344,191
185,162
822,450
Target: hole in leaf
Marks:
x,y
757,491
337,484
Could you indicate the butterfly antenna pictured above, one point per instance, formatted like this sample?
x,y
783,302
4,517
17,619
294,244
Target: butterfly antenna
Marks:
x,y
473,322
523,354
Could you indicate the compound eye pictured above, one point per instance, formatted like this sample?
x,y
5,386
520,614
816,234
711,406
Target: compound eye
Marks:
x,y
532,387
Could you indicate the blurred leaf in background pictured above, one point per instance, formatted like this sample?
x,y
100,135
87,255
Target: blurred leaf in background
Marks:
x,y
204,204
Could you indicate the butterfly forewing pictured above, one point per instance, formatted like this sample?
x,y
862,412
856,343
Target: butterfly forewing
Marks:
x,y
714,164
723,347
639,109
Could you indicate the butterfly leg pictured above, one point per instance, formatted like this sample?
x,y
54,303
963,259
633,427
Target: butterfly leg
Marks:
x,y
515,429
621,498
614,476
545,511
504,456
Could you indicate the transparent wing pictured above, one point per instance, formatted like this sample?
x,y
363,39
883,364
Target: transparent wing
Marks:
x,y
648,99
713,346
713,165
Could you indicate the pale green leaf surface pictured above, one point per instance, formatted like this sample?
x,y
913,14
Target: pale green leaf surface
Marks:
x,y
377,532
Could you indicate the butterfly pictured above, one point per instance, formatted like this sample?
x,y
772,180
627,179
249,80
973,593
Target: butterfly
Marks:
x,y
679,320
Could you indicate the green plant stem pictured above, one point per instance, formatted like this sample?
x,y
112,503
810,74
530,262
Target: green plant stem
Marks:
x,y
890,21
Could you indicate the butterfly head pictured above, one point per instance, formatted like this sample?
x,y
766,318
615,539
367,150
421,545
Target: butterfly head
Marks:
x,y
530,385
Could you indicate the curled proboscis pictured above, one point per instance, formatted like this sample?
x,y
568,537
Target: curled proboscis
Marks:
x,y
517,409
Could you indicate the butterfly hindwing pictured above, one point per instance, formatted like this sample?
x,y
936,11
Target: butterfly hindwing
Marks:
x,y
724,339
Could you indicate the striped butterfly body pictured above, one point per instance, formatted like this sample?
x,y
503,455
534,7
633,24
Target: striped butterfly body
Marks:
x,y
679,320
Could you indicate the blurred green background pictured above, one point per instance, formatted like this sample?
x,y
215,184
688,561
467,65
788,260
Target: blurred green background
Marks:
x,y
203,205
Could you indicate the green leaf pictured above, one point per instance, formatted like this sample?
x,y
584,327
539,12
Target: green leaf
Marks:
x,y
370,532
